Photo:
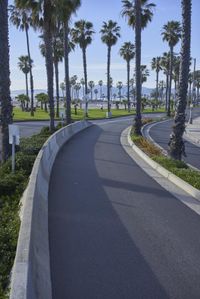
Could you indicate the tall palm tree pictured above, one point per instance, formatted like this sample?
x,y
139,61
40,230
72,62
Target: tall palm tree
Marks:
x,y
171,34
91,85
82,35
6,107
65,9
83,84
100,86
22,19
119,87
165,64
128,53
110,33
176,73
23,65
156,65
43,17
139,13
176,141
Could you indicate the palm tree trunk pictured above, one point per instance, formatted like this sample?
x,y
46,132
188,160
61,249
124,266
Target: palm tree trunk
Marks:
x,y
176,141
85,78
108,78
157,80
26,79
57,87
128,85
31,75
167,90
68,96
138,118
170,82
6,107
49,61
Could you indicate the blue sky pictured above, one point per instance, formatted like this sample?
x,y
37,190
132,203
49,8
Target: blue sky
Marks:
x,y
98,11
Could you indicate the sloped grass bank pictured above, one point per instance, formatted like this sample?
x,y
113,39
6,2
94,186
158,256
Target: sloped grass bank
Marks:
x,y
12,187
179,168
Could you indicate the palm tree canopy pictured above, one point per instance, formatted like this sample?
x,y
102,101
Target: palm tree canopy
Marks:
x,y
127,51
129,12
110,33
100,82
91,84
82,33
172,33
165,62
156,64
65,8
19,17
24,64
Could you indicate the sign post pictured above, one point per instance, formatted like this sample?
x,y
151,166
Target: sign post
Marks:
x,y
13,140
62,117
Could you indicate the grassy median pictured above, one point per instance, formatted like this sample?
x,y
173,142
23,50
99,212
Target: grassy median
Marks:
x,y
94,113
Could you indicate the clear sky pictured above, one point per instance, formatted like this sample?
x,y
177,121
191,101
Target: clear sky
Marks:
x,y
98,11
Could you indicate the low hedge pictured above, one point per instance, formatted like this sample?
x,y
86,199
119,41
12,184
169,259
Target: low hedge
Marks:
x,y
12,186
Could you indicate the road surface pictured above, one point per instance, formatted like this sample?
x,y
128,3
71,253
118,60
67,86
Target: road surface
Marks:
x,y
160,133
114,232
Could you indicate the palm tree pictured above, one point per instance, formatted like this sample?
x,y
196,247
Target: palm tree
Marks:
x,y
176,141
165,64
128,53
23,65
172,34
100,86
156,65
83,84
65,9
176,73
82,34
6,107
43,99
119,87
21,18
139,13
144,74
110,33
91,86
72,82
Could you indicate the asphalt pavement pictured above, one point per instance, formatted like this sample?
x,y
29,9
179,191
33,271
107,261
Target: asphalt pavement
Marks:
x,y
160,133
114,232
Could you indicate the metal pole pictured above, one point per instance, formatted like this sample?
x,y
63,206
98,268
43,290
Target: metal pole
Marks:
x,y
13,153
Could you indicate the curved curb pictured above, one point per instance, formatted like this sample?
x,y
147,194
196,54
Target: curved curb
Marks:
x,y
31,277
164,172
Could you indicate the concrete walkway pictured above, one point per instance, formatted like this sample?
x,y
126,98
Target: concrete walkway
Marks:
x,y
192,132
115,232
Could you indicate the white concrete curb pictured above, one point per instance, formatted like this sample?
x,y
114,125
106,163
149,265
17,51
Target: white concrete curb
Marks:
x,y
31,277
167,174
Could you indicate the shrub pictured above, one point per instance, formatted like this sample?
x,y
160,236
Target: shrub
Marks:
x,y
9,227
32,145
12,182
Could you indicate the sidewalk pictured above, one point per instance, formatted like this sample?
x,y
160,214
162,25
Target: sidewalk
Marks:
x,y
192,132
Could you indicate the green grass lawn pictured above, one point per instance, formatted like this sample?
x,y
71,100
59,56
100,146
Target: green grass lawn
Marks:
x,y
19,115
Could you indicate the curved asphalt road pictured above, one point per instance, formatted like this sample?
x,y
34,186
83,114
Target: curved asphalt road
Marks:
x,y
160,133
114,232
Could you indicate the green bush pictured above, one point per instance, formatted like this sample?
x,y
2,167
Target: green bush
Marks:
x,y
32,145
9,228
12,182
